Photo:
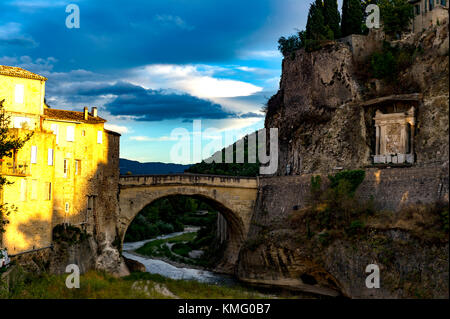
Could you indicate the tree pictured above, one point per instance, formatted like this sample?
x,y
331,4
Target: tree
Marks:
x,y
396,15
315,26
352,17
289,45
8,144
332,17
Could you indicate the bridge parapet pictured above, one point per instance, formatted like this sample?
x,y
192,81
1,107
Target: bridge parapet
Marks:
x,y
188,179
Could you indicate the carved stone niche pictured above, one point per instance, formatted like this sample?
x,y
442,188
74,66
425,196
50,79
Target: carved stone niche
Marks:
x,y
394,139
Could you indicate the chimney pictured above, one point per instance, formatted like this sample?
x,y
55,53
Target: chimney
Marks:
x,y
86,114
94,112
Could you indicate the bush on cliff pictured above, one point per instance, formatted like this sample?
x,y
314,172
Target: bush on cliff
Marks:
x,y
391,60
334,209
322,25
397,15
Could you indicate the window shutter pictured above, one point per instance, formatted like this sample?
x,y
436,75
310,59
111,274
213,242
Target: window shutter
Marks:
x,y
23,190
33,154
99,137
50,157
55,130
34,189
70,134
19,93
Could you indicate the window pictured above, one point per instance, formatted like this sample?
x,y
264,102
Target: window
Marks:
x,y
34,186
444,3
48,191
23,190
22,122
91,203
70,136
66,207
83,133
99,137
417,9
50,157
19,93
55,130
66,167
77,167
431,6
33,154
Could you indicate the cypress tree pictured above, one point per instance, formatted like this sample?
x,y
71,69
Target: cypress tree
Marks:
x,y
315,26
352,17
332,17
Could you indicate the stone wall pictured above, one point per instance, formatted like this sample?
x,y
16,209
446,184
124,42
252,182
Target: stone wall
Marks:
x,y
275,253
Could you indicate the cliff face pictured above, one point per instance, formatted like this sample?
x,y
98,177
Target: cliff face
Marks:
x,y
282,249
319,108
324,123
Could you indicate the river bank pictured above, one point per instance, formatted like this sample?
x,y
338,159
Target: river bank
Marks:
x,y
171,269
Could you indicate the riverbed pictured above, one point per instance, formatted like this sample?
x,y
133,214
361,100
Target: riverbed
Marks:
x,y
160,267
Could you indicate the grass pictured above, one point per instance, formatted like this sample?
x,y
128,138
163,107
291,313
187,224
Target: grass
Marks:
x,y
93,285
98,285
158,248
188,289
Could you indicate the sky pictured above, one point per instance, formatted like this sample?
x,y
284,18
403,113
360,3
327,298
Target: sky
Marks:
x,y
155,66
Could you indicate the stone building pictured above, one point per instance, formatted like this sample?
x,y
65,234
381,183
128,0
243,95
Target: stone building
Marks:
x,y
428,13
395,128
67,173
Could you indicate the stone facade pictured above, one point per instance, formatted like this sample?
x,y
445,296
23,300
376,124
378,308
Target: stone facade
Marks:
x,y
67,173
428,13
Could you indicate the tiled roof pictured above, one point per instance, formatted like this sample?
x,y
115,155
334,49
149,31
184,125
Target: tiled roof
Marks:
x,y
20,73
71,116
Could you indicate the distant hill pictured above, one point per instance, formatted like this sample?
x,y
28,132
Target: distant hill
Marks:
x,y
138,168
230,169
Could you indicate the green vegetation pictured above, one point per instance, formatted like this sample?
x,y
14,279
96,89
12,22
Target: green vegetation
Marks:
x,y
392,60
325,23
396,15
322,25
204,239
229,169
332,17
98,285
171,214
352,17
354,178
334,209
168,215
9,144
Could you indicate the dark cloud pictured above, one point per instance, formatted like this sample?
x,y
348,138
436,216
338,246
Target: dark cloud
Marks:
x,y
154,105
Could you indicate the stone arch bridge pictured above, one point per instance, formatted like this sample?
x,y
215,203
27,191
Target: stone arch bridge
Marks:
x,y
233,197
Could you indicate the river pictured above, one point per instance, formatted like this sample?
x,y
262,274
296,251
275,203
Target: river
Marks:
x,y
156,266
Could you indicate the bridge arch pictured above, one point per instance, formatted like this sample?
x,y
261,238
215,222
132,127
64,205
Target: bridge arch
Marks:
x,y
233,197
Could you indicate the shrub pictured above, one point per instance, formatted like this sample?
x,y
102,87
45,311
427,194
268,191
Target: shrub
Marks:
x,y
354,178
387,63
355,227
397,15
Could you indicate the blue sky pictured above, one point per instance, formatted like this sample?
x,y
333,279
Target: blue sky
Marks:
x,y
153,66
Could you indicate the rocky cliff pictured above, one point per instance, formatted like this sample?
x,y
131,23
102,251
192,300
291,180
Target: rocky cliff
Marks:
x,y
326,123
320,112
